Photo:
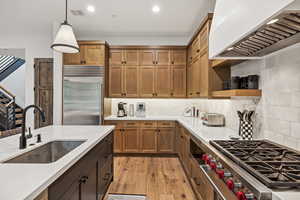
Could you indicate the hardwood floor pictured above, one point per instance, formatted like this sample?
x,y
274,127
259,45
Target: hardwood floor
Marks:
x,y
159,178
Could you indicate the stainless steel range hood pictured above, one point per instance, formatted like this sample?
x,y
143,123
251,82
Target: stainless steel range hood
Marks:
x,y
243,29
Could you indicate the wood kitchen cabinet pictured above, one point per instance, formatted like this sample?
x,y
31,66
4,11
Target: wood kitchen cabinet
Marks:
x,y
123,73
116,81
147,81
202,79
162,82
147,72
131,140
165,139
144,136
148,140
83,180
91,53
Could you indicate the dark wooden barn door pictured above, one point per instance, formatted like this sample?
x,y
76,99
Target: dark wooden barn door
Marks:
x,y
43,90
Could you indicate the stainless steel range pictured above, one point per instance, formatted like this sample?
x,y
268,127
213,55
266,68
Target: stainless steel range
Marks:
x,y
274,165
227,176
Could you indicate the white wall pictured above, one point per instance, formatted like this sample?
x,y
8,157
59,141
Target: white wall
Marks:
x,y
36,46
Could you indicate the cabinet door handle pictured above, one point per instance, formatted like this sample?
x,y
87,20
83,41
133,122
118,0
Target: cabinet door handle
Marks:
x,y
198,50
172,93
153,62
172,62
156,62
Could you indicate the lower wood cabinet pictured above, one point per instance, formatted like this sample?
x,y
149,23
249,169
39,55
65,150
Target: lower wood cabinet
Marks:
x,y
130,138
89,178
165,140
144,136
148,137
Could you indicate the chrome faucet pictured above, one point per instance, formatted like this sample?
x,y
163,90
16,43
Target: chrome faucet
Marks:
x,y
23,138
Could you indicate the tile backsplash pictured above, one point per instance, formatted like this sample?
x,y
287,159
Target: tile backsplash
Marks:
x,y
176,107
277,111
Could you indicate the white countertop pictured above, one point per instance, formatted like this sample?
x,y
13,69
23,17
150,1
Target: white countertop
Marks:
x,y
205,134
194,125
26,181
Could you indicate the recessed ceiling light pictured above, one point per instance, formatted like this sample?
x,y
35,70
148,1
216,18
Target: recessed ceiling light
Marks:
x,y
229,49
90,8
272,21
155,9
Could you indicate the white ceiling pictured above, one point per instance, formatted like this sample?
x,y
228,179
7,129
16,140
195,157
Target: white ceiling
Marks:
x,y
112,17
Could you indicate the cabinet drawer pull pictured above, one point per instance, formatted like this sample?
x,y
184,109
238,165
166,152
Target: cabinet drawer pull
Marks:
x,y
197,92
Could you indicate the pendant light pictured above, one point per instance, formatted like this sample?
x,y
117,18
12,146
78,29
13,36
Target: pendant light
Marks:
x,y
65,40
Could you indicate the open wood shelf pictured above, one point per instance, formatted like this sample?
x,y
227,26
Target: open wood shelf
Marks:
x,y
236,93
225,63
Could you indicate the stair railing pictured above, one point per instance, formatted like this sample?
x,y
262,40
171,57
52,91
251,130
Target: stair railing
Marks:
x,y
8,111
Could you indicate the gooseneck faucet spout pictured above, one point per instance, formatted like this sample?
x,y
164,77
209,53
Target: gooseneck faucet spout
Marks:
x,y
23,139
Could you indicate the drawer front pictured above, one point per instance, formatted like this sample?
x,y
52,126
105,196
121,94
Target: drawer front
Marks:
x,y
149,124
117,124
166,124
131,124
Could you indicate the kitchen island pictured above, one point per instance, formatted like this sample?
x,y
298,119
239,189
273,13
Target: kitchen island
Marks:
x,y
26,181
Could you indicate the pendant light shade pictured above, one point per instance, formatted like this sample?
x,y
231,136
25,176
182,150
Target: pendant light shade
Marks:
x,y
65,40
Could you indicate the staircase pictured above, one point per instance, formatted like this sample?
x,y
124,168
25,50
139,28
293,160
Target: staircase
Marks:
x,y
11,115
9,64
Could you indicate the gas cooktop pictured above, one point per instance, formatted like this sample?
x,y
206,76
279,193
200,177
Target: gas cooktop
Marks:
x,y
274,165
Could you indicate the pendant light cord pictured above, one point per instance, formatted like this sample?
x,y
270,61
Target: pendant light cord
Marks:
x,y
66,11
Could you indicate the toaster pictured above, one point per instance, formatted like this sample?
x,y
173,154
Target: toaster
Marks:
x,y
213,120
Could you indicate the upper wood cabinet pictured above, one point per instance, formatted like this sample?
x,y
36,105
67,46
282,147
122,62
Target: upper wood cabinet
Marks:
x,y
123,57
147,57
91,53
162,57
178,76
147,81
202,78
123,73
115,57
131,57
203,36
163,81
94,55
148,73
131,81
178,57
116,81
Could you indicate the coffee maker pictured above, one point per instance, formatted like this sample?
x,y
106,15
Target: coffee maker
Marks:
x,y
121,110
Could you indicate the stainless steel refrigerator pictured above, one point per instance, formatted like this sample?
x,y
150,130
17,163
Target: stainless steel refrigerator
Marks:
x,y
83,95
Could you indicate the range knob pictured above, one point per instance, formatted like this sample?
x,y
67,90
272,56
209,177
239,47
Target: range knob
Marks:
x,y
241,195
204,157
220,173
230,184
213,165
209,158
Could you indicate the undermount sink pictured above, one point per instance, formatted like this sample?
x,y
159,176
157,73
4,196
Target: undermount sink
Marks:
x,y
47,153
